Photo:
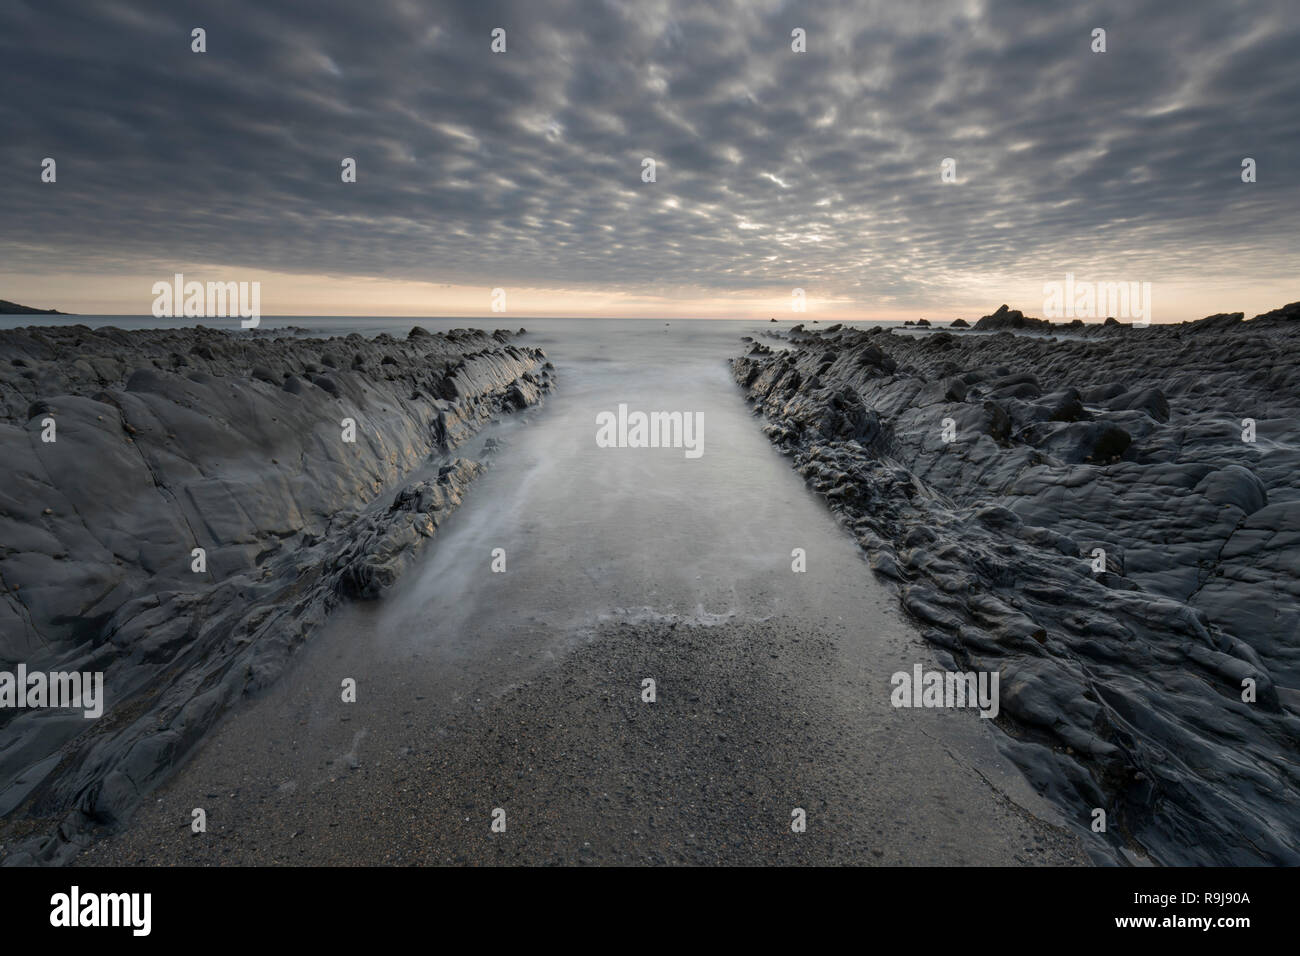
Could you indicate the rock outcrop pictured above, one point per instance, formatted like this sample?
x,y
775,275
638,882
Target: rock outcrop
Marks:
x,y
1113,523
306,470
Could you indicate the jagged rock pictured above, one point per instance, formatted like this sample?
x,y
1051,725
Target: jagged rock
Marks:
x,y
239,451
1098,528
1008,319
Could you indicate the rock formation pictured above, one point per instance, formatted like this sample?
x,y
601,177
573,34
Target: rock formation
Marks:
x,y
1111,521
307,470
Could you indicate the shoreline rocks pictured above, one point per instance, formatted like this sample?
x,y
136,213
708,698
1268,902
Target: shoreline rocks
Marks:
x,y
305,470
1088,517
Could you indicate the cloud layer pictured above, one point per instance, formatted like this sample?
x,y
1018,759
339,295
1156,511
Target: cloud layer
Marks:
x,y
775,169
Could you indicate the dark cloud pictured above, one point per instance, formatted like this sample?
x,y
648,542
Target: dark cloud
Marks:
x,y
819,170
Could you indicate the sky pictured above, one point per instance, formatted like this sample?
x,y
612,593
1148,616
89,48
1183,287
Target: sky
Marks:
x,y
774,170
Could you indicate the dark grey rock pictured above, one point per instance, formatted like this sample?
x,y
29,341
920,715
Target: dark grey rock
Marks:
x,y
232,451
1121,687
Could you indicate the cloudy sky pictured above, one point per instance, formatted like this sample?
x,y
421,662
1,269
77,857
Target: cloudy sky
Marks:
x,y
774,170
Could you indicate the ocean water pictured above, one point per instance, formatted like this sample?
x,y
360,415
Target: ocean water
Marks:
x,y
327,325
704,533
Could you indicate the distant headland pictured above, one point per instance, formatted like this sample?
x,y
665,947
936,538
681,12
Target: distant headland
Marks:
x,y
13,308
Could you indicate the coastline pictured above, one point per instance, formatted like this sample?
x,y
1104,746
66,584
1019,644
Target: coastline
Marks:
x,y
235,444
1110,679
1122,687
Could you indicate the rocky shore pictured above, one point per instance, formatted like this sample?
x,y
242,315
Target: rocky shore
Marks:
x,y
13,308
181,509
1109,516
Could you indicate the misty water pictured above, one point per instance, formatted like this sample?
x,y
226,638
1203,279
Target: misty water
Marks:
x,y
590,531
592,534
